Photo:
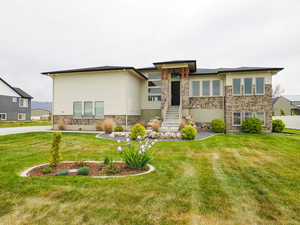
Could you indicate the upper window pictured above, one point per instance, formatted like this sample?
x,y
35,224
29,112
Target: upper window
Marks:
x,y
3,116
77,109
216,88
206,88
154,76
195,88
248,86
236,86
260,85
23,102
88,108
154,87
21,116
237,119
99,109
261,117
14,99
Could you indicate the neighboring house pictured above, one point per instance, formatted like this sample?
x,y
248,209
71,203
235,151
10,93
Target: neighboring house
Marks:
x,y
40,114
15,104
295,103
171,90
281,105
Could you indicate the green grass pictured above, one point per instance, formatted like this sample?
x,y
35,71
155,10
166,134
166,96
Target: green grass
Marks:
x,y
5,124
226,179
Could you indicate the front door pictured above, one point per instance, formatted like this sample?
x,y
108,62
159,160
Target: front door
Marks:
x,y
175,92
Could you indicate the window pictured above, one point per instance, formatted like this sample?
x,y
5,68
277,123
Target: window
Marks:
x,y
248,86
261,117
14,99
3,116
206,88
260,85
23,102
21,116
237,119
88,108
195,88
154,87
77,109
216,88
247,115
236,86
99,109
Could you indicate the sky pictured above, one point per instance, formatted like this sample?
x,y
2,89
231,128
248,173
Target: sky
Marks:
x,y
38,36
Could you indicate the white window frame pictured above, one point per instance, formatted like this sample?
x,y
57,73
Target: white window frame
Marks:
x,y
154,87
5,114
241,120
241,85
24,114
22,100
264,123
209,94
191,93
212,88
80,102
264,86
99,117
14,99
93,109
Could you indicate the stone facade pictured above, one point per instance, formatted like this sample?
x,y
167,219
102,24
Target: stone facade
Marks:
x,y
72,123
206,102
253,103
184,91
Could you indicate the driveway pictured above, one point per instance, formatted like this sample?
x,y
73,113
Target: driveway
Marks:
x,y
19,130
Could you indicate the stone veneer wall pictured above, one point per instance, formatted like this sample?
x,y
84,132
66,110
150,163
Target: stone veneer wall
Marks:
x,y
253,103
90,124
184,91
207,102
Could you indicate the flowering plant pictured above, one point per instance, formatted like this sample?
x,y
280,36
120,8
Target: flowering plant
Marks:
x,y
136,156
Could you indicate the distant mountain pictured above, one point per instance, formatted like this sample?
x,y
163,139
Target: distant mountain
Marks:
x,y
41,105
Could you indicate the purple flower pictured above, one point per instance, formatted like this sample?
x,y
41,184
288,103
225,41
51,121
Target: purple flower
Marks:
x,y
120,149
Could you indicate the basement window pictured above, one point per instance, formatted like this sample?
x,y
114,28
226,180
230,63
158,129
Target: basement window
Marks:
x,y
3,116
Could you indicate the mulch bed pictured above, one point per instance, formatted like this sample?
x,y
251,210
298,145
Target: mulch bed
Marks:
x,y
96,169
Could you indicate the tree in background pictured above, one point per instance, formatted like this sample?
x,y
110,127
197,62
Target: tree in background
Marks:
x,y
277,91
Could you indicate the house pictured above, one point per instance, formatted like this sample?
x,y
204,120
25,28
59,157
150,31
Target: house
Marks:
x,y
171,90
40,114
15,104
295,103
281,106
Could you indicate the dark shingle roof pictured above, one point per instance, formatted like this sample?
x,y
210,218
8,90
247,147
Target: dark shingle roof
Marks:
x,y
22,93
100,68
203,71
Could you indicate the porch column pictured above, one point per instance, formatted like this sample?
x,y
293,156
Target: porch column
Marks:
x,y
164,91
185,89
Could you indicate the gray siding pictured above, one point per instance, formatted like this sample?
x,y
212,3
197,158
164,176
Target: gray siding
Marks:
x,y
12,108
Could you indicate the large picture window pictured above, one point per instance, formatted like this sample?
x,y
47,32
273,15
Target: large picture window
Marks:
x,y
206,88
248,86
77,109
154,87
236,86
99,110
195,88
88,108
216,88
260,85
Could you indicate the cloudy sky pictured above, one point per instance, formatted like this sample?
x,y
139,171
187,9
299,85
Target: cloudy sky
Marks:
x,y
47,35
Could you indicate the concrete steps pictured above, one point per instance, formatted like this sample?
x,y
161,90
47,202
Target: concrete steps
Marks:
x,y
172,120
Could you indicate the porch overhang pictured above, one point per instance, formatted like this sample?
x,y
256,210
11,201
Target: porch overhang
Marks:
x,y
191,64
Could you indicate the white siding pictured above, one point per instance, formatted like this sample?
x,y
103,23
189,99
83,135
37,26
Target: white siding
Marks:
x,y
110,87
134,94
6,90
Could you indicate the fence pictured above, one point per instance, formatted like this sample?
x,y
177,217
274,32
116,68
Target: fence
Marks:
x,y
292,122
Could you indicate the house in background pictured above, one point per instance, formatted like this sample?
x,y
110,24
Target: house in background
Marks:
x,y
171,90
15,104
281,106
41,110
295,103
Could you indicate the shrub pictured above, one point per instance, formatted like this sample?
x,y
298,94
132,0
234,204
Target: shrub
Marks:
x,y
61,125
107,160
47,170
278,125
273,113
62,173
251,125
83,171
188,132
54,151
119,129
218,125
137,130
112,169
155,125
109,125
182,124
99,126
135,158
282,113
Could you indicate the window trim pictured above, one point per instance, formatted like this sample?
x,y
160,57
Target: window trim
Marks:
x,y
14,100
209,86
264,86
75,116
192,95
5,116
244,86
153,87
26,100
241,119
240,86
98,117
93,111
212,88
21,114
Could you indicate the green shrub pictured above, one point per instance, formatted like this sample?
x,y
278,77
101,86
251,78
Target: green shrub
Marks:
x,y
188,132
282,113
137,130
119,129
135,158
54,151
278,125
83,171
273,113
47,170
62,173
107,160
218,126
112,169
251,125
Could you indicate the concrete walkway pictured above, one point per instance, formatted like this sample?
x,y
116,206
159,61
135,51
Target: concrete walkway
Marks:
x,y
20,130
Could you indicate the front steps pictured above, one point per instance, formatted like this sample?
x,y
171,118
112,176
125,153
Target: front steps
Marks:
x,y
171,120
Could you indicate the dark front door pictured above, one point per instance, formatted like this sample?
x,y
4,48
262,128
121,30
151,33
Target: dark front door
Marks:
x,y
175,91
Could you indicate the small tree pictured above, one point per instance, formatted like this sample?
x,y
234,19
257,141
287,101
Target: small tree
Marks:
x,y
282,113
54,151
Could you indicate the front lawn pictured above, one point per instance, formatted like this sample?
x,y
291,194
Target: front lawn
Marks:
x,y
232,179
5,124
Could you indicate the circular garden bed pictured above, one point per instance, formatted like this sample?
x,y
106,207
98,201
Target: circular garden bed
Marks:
x,y
86,168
